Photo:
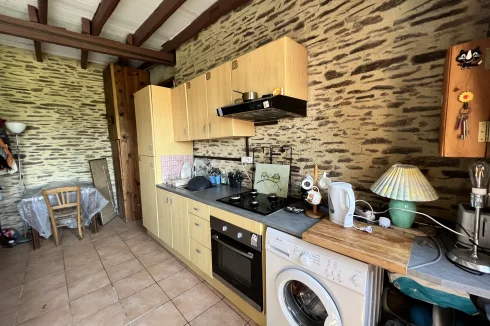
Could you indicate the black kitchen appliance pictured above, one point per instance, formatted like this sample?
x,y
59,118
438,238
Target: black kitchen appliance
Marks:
x,y
237,261
266,109
258,203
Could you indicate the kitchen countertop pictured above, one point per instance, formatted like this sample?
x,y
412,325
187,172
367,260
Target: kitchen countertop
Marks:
x,y
294,224
444,272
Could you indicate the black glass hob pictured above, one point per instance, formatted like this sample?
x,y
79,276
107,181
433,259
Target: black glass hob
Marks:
x,y
258,203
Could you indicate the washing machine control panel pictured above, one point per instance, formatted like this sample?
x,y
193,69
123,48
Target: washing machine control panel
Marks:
x,y
331,268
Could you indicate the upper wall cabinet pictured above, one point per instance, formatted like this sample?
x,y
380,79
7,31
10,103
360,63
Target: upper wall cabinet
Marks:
x,y
219,93
197,108
282,63
473,76
179,112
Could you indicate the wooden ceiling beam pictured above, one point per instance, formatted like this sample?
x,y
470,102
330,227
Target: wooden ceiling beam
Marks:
x,y
60,36
102,14
104,11
156,20
206,19
38,16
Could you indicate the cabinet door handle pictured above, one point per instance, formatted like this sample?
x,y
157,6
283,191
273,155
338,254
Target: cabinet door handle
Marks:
x,y
196,209
210,128
197,224
151,147
171,202
167,199
234,65
151,164
204,129
208,75
185,131
198,251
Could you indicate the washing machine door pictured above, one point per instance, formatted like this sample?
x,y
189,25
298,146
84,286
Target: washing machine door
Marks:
x,y
304,301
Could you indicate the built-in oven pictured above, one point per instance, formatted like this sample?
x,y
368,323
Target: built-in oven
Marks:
x,y
237,260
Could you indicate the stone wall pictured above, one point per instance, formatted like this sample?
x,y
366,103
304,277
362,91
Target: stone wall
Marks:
x,y
64,109
375,78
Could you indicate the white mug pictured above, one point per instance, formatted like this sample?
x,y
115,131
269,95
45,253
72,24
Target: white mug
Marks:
x,y
307,182
314,196
324,182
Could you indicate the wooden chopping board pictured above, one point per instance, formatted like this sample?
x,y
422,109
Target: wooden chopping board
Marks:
x,y
386,248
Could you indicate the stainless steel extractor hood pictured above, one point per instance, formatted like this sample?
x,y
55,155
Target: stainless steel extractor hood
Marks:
x,y
265,109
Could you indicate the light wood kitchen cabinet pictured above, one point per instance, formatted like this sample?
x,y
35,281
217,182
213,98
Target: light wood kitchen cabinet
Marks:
x,y
282,63
219,93
165,232
197,108
148,193
200,230
154,123
179,110
201,257
180,225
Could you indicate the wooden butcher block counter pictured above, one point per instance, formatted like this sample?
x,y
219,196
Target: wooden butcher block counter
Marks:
x,y
386,248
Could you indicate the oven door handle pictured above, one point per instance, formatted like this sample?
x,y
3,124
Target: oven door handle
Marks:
x,y
248,255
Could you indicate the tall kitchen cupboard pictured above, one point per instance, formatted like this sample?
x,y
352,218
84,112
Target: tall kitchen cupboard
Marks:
x,y
154,122
120,83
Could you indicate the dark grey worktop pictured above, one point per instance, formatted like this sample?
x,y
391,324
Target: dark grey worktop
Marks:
x,y
294,224
445,273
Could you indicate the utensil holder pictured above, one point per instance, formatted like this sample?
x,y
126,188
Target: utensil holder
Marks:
x,y
235,184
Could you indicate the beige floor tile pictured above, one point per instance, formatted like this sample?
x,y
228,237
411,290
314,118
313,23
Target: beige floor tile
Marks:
x,y
107,240
165,269
36,288
117,258
112,248
218,294
8,320
132,232
178,283
80,272
118,225
154,257
47,246
45,259
195,274
69,237
102,233
111,316
237,310
71,251
195,301
145,248
89,284
9,268
143,301
9,301
125,269
80,259
132,284
220,315
137,240
36,306
166,312
11,281
92,302
19,250
252,323
45,270
60,316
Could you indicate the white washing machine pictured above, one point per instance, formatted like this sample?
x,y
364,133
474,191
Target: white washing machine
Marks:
x,y
312,286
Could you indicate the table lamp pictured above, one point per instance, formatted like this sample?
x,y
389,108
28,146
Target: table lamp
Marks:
x,y
404,185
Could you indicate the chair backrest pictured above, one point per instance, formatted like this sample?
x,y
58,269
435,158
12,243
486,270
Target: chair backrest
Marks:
x,y
62,196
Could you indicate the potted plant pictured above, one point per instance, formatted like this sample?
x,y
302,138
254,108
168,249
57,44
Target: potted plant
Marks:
x,y
215,176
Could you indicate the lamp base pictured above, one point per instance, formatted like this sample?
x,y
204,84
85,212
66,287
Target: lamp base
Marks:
x,y
464,258
402,219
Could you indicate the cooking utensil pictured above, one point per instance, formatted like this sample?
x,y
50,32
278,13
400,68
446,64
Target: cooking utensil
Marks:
x,y
248,96
198,183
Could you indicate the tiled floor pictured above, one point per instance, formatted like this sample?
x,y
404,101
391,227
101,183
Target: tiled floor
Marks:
x,y
120,276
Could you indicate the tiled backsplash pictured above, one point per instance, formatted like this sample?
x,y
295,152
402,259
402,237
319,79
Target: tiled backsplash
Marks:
x,y
172,165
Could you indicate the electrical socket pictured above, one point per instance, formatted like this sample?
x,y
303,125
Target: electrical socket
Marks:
x,y
247,159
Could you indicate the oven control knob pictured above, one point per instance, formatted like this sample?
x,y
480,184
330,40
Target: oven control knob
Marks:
x,y
305,259
239,235
224,228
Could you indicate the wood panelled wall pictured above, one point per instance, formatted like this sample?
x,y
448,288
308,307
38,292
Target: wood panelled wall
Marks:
x,y
375,80
63,107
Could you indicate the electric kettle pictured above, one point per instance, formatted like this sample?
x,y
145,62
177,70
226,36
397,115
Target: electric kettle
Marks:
x,y
341,203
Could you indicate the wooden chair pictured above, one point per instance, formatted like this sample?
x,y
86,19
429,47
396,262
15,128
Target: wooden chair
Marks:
x,y
64,209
